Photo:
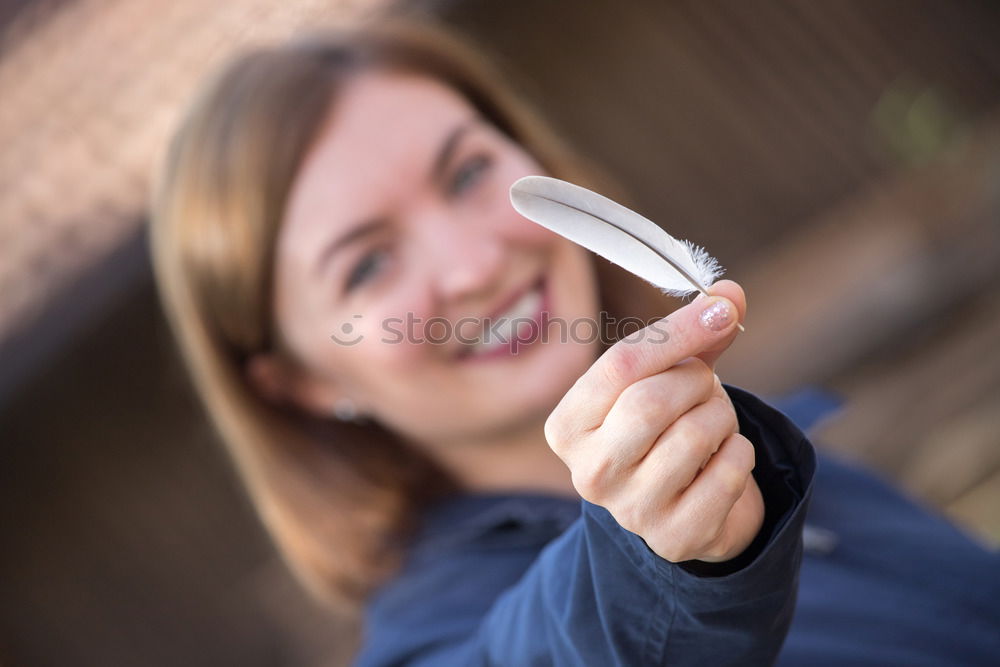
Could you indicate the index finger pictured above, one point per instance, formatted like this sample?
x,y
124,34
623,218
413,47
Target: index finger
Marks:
x,y
664,343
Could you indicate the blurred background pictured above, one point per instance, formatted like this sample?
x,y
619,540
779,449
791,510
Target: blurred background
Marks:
x,y
841,159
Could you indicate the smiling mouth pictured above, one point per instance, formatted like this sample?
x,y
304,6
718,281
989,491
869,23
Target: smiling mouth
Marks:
x,y
518,325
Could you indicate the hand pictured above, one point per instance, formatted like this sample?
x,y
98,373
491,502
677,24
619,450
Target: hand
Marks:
x,y
649,433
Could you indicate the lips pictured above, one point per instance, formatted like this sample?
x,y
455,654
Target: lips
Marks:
x,y
515,323
510,301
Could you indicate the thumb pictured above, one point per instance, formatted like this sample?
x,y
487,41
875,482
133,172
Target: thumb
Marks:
x,y
732,292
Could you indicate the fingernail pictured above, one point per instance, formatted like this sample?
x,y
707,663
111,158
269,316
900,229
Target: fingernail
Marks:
x,y
717,316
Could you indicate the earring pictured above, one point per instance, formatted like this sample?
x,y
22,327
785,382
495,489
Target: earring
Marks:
x,y
345,410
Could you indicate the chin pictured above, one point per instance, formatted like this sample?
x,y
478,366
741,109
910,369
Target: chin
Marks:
x,y
558,366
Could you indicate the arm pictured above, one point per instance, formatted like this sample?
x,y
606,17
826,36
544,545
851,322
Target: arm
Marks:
x,y
598,595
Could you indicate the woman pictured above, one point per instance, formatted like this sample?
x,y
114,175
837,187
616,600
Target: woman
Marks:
x,y
334,244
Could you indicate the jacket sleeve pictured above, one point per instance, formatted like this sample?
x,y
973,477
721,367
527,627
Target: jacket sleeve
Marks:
x,y
598,595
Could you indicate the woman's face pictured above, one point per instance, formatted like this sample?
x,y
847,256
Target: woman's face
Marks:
x,y
399,232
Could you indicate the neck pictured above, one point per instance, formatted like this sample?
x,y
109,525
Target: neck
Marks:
x,y
517,461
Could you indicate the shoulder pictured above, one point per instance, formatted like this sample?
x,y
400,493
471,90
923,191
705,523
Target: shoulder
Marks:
x,y
470,549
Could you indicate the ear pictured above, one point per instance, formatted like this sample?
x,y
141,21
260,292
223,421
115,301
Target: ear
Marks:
x,y
279,382
263,373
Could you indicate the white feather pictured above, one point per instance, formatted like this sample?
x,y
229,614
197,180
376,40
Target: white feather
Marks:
x,y
616,233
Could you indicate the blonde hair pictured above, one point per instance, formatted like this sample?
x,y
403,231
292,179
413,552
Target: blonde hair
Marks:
x,y
338,499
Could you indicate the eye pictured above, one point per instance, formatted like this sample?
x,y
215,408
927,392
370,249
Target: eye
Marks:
x,y
364,269
469,173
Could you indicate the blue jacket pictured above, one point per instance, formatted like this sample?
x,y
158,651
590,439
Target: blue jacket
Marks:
x,y
522,579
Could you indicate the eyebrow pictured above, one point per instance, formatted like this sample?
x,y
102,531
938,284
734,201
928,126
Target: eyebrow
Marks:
x,y
441,160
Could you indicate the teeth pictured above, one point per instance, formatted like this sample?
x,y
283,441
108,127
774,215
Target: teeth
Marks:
x,y
503,324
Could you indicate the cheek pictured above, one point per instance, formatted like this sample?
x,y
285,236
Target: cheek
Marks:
x,y
574,279
388,335
516,164
528,233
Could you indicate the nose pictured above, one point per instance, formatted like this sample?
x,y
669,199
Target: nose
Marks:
x,y
464,258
